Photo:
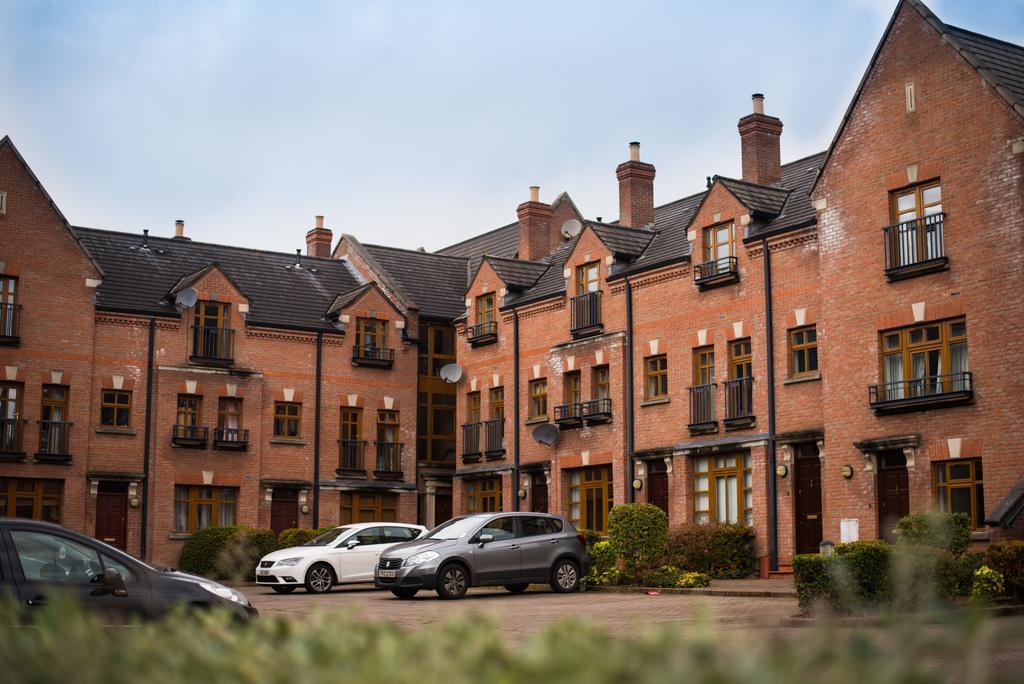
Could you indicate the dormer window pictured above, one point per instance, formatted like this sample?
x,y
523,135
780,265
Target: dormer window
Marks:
x,y
371,347
486,329
585,307
588,278
720,265
212,338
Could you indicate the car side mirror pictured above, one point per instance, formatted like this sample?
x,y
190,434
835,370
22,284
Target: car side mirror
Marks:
x,y
111,583
352,543
485,538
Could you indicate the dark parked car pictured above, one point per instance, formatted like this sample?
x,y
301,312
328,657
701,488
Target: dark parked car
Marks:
x,y
40,561
512,550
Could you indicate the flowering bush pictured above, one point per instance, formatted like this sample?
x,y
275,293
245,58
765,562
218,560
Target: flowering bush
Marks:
x,y
988,584
693,580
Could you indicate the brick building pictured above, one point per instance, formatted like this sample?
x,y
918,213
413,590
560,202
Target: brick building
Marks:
x,y
788,349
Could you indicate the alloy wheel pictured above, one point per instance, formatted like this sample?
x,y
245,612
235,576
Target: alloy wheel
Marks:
x,y
320,579
454,581
566,576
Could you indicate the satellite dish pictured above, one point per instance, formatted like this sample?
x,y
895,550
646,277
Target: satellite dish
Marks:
x,y
186,299
451,373
571,228
546,434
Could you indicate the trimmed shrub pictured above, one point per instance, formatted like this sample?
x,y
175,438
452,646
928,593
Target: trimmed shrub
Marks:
x,y
298,536
693,580
865,564
813,582
637,534
1007,558
665,576
923,576
202,548
226,553
720,551
949,531
602,560
988,585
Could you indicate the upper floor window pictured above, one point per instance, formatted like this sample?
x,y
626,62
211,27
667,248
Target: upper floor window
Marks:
x,y
573,388
351,427
115,408
718,242
803,351
371,333
190,410
287,419
600,383
497,403
485,308
387,426
740,365
917,202
656,372
538,399
8,306
212,314
914,241
229,416
704,365
925,359
588,278
473,407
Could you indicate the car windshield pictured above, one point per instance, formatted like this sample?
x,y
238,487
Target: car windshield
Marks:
x,y
454,529
328,538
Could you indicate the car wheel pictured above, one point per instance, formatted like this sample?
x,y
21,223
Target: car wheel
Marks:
x,y
565,576
516,588
452,581
283,590
319,579
405,593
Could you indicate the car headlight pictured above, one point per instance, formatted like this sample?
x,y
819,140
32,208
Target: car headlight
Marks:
x,y
421,558
290,561
225,592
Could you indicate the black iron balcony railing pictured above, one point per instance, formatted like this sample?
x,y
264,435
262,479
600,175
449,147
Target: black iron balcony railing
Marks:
x,y
585,314
190,435
482,333
934,391
389,460
597,410
716,272
214,346
471,441
569,415
230,438
494,436
351,460
54,440
10,324
377,357
702,408
915,247
739,402
11,432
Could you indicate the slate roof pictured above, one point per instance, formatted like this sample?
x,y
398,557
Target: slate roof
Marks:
x,y
138,280
517,273
797,211
1008,508
623,242
436,283
764,199
347,298
551,282
502,242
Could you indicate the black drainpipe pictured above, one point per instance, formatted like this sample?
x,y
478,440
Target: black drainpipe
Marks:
x,y
316,431
773,504
630,440
148,431
515,410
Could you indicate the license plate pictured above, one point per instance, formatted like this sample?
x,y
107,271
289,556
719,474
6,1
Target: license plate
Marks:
x,y
388,573
262,572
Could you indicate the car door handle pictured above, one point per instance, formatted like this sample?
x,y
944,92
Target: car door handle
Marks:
x,y
513,548
552,541
36,601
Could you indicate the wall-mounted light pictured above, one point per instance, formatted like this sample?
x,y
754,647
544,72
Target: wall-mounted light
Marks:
x,y
638,484
133,502
304,508
846,471
521,493
781,470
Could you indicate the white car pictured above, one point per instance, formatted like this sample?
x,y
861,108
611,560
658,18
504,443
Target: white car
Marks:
x,y
344,555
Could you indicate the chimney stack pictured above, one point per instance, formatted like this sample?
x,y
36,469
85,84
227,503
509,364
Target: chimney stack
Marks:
x,y
179,228
318,240
534,227
759,145
636,190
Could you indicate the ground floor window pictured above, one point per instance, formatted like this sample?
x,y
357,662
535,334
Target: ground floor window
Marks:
x,y
590,498
197,508
359,507
32,499
483,496
722,487
958,489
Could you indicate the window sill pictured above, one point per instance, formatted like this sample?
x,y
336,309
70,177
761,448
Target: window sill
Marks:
x,y
980,535
534,421
178,536
797,379
288,440
655,402
106,430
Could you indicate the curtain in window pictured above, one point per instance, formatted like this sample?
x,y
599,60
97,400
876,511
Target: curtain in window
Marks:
x,y
894,376
958,366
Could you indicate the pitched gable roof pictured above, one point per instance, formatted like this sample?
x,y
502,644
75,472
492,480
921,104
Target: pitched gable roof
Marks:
x,y
622,242
761,199
190,279
346,299
517,274
436,283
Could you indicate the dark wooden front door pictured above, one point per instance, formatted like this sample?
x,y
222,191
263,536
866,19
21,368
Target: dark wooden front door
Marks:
x,y
807,481
284,510
539,490
893,493
657,488
442,508
112,514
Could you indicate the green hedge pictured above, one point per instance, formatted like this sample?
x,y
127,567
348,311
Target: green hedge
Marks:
x,y
949,531
720,551
226,553
1007,558
637,535
812,580
863,573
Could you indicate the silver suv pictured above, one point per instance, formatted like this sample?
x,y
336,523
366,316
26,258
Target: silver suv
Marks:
x,y
512,550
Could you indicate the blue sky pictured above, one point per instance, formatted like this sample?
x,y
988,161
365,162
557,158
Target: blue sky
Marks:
x,y
413,123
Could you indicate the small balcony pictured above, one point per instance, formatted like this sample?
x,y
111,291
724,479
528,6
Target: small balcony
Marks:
x,y
494,434
702,409
482,333
191,436
716,272
213,346
914,248
230,439
739,403
471,451
12,431
351,458
389,461
922,394
373,357
569,415
54,442
597,411
585,314
10,325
